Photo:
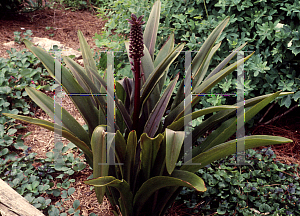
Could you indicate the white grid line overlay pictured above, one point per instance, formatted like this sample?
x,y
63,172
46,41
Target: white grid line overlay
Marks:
x,y
240,133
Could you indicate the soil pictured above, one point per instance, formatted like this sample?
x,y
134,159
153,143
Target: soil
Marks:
x,y
66,24
63,24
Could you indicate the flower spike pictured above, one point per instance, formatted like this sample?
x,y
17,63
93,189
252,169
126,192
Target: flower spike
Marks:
x,y
136,52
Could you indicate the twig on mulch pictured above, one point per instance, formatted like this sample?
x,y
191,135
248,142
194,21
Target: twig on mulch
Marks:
x,y
277,117
267,112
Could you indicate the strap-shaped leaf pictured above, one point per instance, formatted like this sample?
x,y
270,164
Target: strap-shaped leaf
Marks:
x,y
121,94
76,69
219,152
178,105
179,96
130,157
96,76
160,161
121,185
221,116
165,50
150,32
253,101
65,133
178,112
86,82
178,178
203,70
127,49
212,81
178,125
158,72
210,123
162,54
69,84
124,113
87,56
229,148
149,149
101,82
120,91
120,144
180,92
205,49
148,67
174,141
127,85
98,143
225,62
152,124
224,132
47,104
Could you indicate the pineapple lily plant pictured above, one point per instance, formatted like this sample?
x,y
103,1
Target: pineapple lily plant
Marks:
x,y
148,140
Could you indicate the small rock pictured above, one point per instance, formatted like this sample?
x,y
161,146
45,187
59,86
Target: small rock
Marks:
x,y
47,44
80,61
11,43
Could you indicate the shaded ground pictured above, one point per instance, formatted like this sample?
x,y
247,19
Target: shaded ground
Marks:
x,y
287,125
64,29
63,25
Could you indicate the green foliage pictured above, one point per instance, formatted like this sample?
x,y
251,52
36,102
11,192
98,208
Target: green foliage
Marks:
x,y
270,28
74,4
10,5
265,186
50,28
80,4
18,38
22,69
13,6
36,182
148,138
21,175
33,178
122,69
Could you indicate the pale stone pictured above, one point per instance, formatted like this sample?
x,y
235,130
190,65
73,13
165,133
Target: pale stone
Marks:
x,y
47,44
11,43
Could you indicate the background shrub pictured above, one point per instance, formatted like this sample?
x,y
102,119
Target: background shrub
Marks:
x,y
12,6
270,27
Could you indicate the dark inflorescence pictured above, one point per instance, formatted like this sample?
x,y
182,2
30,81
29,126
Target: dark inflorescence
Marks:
x,y
136,45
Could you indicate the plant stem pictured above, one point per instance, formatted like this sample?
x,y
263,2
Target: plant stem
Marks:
x,y
137,80
277,117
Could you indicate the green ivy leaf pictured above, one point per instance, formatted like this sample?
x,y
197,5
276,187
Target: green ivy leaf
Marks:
x,y
76,204
71,191
64,194
264,208
56,192
65,185
5,90
35,184
220,211
11,131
